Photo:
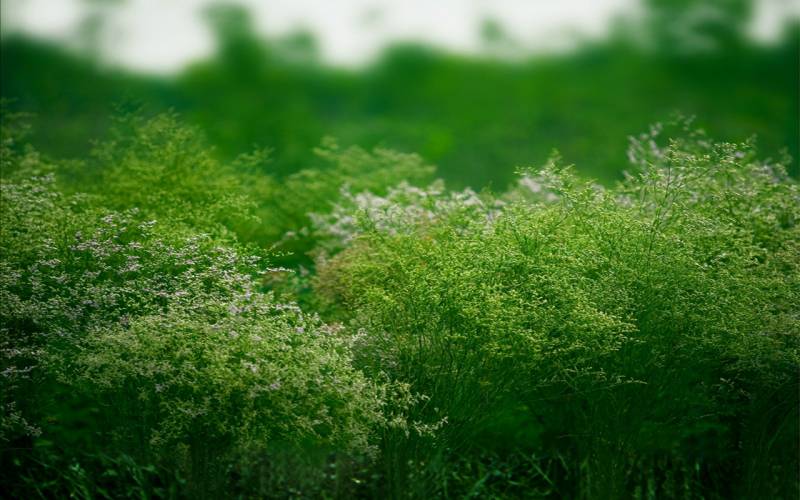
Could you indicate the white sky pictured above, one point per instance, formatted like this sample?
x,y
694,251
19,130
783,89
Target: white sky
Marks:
x,y
163,35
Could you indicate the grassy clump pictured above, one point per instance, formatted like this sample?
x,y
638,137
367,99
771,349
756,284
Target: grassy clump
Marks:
x,y
148,350
644,336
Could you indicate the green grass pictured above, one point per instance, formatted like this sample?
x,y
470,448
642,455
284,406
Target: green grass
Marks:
x,y
556,339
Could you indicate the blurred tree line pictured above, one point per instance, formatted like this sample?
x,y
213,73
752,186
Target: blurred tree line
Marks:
x,y
477,118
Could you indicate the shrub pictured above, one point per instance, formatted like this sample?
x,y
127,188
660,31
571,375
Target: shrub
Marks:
x,y
655,319
120,336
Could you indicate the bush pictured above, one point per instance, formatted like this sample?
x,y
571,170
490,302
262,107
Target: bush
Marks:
x,y
651,323
120,336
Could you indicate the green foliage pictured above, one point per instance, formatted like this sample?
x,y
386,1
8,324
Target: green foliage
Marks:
x,y
168,170
179,319
560,339
314,190
626,323
475,118
118,337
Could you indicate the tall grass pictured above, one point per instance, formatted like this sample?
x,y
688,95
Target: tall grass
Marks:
x,y
558,339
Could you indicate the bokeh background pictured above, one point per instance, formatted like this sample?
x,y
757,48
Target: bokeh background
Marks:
x,y
477,88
